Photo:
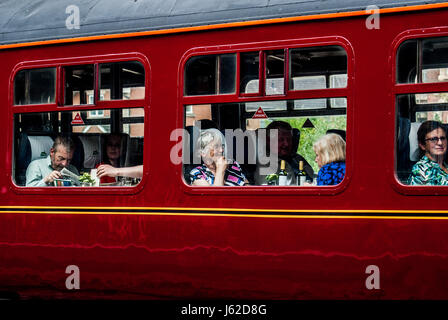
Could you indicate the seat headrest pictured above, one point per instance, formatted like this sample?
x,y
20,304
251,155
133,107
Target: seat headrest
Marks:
x,y
92,150
340,132
40,146
414,149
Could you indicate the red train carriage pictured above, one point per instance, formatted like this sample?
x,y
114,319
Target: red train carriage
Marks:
x,y
154,73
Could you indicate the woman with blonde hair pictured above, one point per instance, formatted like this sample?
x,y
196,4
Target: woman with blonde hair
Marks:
x,y
330,157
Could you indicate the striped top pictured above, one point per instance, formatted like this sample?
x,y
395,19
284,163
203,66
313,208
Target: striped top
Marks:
x,y
232,177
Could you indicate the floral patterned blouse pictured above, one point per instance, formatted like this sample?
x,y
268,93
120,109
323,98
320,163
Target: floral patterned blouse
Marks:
x,y
428,172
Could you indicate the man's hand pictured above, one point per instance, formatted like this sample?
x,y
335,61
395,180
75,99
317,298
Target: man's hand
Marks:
x,y
53,175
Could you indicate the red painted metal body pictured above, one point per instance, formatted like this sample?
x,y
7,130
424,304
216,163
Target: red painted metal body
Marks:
x,y
190,253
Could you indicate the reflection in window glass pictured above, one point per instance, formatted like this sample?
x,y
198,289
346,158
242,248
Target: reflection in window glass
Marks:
x,y
211,74
431,68
338,102
309,82
435,53
35,86
304,104
245,140
434,75
249,77
79,84
266,105
275,72
122,81
430,98
93,144
338,81
407,62
310,67
227,73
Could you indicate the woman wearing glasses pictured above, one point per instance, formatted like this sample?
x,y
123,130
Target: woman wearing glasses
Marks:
x,y
216,170
431,169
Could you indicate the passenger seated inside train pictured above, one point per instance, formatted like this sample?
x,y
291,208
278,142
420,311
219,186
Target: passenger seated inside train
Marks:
x,y
216,170
286,150
431,169
330,158
47,171
111,166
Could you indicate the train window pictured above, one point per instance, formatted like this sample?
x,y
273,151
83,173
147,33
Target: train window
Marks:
x,y
249,72
412,155
122,81
318,68
275,72
35,86
79,84
210,74
247,142
423,61
260,128
422,117
110,137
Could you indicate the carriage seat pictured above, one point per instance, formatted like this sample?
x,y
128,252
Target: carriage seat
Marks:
x,y
30,147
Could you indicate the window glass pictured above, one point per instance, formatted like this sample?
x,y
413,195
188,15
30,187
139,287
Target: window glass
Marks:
x,y
304,104
35,86
122,81
413,110
318,68
423,61
431,98
275,72
210,74
407,62
244,126
309,82
79,84
435,59
227,73
95,141
266,105
249,72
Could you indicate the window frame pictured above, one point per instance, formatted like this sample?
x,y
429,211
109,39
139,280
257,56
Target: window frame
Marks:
x,y
237,97
411,88
59,106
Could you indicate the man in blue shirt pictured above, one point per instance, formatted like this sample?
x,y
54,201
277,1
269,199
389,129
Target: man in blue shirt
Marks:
x,y
43,172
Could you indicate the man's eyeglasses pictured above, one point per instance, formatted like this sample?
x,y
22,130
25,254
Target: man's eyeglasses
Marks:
x,y
436,139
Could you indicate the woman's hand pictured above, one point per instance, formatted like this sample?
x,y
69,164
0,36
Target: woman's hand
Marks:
x,y
106,170
221,164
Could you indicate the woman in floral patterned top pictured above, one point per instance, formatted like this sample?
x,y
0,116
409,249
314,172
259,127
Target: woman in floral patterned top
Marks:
x,y
216,170
330,157
431,169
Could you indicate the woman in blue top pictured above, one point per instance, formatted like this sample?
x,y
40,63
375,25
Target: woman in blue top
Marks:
x,y
330,157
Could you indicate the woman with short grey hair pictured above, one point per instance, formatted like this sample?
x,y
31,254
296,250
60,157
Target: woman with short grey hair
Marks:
x,y
216,170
